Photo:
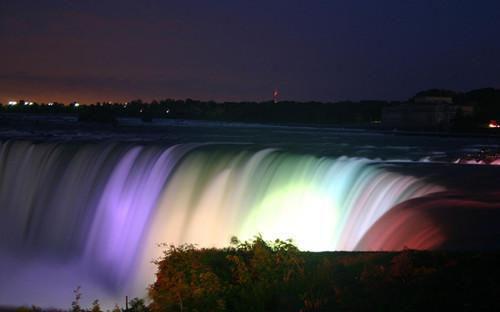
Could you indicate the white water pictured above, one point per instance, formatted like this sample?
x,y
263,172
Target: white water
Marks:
x,y
92,214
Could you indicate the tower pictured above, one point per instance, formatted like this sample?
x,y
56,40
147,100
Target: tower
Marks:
x,y
276,95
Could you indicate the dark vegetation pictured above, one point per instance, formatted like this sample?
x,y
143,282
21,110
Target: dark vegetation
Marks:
x,y
276,276
134,305
265,112
485,103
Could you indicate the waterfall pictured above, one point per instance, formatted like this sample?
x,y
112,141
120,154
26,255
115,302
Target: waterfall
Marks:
x,y
76,213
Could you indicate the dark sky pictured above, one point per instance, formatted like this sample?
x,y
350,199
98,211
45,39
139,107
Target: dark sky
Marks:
x,y
242,50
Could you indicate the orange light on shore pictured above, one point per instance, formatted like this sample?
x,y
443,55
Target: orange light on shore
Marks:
x,y
493,124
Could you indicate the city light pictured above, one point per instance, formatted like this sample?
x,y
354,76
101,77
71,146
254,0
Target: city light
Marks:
x,y
493,124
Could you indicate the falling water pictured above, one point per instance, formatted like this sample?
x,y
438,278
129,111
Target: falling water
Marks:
x,y
92,214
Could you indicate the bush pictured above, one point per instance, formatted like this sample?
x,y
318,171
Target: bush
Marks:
x,y
275,276
248,276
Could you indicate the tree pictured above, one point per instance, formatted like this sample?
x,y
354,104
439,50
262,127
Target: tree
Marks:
x,y
95,306
137,305
75,305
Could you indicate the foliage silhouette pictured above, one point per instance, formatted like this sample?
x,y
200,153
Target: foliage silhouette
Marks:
x,y
261,275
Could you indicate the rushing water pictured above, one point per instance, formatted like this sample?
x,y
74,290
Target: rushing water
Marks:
x,y
92,214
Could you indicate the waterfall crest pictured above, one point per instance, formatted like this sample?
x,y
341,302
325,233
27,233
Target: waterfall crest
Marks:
x,y
99,210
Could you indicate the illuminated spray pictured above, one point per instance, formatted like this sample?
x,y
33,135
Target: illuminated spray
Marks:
x,y
99,210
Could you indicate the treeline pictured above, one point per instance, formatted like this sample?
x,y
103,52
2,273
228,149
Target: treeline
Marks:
x,y
276,276
485,104
281,112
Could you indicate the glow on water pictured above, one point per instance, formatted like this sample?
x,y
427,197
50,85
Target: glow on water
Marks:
x,y
320,203
299,212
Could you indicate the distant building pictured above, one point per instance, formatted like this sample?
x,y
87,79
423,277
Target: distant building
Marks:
x,y
434,96
433,99
432,109
423,115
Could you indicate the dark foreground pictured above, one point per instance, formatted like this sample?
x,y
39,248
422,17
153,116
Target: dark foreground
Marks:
x,y
260,276
276,276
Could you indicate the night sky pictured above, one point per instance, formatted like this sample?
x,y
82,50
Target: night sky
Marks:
x,y
241,50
